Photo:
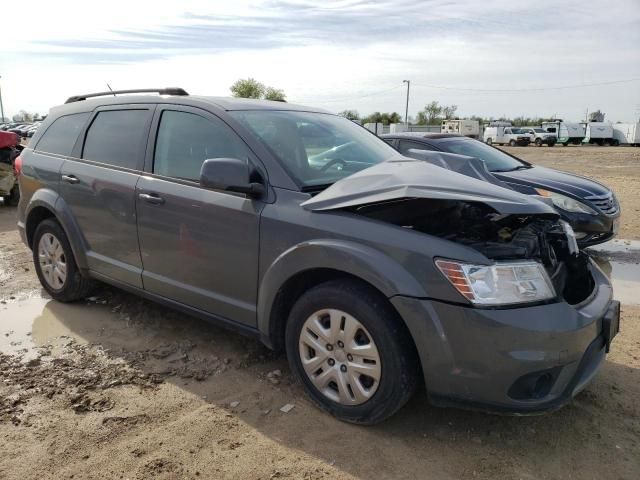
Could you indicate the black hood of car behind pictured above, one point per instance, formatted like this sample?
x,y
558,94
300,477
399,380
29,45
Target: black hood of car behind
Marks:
x,y
402,177
554,180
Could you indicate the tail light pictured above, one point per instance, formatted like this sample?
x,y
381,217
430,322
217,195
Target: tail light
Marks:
x,y
17,165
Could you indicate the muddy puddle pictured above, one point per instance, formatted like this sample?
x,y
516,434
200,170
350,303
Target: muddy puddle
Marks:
x,y
37,322
620,260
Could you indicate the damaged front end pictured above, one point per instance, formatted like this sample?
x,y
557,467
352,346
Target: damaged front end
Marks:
x,y
519,233
542,238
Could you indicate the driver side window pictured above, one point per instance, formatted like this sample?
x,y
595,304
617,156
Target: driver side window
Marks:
x,y
185,140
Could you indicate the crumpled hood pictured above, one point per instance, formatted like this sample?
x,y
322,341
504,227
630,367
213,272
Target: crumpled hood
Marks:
x,y
407,178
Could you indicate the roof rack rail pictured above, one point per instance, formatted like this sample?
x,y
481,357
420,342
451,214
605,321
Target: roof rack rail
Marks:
x,y
159,91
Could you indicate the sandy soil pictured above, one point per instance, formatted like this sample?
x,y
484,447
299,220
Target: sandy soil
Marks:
x,y
117,387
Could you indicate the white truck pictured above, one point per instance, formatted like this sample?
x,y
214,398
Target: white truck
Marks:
x,y
627,133
540,136
565,132
468,128
599,133
505,135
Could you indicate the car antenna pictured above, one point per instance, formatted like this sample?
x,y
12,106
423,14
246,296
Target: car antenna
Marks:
x,y
110,89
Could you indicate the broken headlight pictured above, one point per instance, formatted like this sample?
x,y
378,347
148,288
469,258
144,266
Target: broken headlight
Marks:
x,y
503,283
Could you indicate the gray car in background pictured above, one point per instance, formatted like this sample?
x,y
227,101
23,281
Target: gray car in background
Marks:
x,y
373,271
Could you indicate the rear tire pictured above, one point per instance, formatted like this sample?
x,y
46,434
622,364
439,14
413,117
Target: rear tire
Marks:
x,y
14,197
55,264
512,143
325,315
489,141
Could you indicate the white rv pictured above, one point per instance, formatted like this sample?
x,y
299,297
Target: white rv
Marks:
x,y
627,133
468,128
566,132
599,133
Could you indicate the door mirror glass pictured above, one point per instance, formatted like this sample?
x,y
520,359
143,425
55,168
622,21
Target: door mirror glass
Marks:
x,y
230,174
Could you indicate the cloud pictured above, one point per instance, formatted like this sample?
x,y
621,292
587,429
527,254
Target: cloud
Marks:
x,y
338,54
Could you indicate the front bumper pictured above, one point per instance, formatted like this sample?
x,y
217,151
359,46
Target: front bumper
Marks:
x,y
595,228
488,358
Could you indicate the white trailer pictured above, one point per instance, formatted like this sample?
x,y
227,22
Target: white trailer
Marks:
x,y
627,133
468,128
566,132
599,133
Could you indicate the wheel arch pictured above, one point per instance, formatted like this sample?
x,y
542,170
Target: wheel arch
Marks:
x,y
311,263
46,204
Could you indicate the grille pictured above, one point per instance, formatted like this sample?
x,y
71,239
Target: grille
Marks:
x,y
606,203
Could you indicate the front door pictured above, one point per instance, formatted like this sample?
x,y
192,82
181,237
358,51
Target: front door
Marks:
x,y
199,247
99,188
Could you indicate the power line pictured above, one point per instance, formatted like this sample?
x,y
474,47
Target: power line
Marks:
x,y
506,91
520,90
349,98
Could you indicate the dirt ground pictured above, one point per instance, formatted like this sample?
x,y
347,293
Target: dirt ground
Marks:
x,y
118,387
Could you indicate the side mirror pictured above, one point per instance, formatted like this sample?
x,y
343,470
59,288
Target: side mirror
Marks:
x,y
229,174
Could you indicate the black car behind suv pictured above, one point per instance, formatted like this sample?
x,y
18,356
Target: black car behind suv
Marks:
x,y
590,207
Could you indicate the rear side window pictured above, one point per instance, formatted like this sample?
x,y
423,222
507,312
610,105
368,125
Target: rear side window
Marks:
x,y
117,137
62,134
186,140
404,146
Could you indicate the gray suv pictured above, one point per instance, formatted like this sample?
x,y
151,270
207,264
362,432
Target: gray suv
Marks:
x,y
373,271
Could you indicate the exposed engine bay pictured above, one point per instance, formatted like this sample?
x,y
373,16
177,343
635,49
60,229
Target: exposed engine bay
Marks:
x,y
543,238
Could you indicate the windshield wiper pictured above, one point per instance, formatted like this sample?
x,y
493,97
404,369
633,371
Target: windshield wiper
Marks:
x,y
315,188
519,167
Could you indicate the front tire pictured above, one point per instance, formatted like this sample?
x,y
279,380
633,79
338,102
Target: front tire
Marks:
x,y
55,265
351,352
538,142
512,143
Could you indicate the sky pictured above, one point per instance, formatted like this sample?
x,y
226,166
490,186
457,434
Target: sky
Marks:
x,y
492,58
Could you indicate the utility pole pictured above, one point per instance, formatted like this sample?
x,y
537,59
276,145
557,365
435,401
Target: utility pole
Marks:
x,y
1,106
406,110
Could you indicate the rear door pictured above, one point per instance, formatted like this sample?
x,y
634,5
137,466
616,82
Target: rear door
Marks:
x,y
199,246
99,188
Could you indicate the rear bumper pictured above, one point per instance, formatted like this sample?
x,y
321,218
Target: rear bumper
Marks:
x,y
517,360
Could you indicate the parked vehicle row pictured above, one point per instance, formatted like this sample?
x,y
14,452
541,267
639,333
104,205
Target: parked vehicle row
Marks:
x,y
24,130
375,272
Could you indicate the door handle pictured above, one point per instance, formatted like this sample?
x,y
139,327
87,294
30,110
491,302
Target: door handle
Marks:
x,y
151,198
70,179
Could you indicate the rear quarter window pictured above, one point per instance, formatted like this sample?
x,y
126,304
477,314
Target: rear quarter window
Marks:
x,y
117,137
62,134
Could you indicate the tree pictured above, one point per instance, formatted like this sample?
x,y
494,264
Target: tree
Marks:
x,y
247,88
449,111
23,116
274,94
251,88
433,113
384,118
350,114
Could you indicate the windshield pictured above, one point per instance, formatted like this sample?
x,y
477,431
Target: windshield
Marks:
x,y
494,158
517,130
315,148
